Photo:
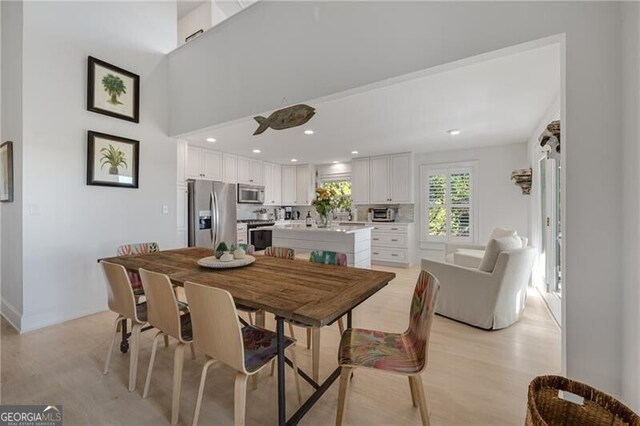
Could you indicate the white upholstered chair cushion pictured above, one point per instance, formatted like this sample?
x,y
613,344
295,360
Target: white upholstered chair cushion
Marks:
x,y
495,247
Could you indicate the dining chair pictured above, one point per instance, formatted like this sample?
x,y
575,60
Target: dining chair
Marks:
x,y
404,354
218,334
163,313
121,300
313,333
134,277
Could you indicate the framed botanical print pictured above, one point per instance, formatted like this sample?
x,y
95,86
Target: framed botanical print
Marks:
x,y
113,91
6,172
112,160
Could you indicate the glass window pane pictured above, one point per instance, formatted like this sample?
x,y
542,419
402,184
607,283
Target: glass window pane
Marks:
x,y
460,222
437,221
460,188
437,189
343,190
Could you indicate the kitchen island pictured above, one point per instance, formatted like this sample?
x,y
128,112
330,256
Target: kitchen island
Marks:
x,y
355,241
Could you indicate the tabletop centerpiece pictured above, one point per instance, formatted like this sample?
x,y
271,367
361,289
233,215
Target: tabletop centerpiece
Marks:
x,y
325,202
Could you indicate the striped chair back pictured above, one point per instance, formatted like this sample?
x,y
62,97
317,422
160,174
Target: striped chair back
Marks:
x,y
130,250
328,257
423,307
280,252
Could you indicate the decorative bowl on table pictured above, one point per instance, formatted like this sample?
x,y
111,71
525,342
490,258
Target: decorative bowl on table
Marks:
x,y
214,263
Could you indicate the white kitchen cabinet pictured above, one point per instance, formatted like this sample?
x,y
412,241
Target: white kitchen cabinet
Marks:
x,y
242,233
272,181
379,171
360,181
391,179
304,185
229,168
289,185
277,185
249,171
204,164
392,243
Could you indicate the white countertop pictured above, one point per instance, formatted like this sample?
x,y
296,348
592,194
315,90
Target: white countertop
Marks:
x,y
345,229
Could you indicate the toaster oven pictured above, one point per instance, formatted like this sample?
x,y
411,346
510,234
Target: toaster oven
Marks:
x,y
383,215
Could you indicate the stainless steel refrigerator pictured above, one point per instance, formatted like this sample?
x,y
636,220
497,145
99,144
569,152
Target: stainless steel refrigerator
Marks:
x,y
212,213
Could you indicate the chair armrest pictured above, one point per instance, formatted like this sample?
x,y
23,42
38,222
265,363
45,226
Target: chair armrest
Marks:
x,y
452,247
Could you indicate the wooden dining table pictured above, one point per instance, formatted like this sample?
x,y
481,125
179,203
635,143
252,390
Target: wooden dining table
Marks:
x,y
311,293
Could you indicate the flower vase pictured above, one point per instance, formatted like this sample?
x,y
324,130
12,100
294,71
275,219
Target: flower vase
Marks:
x,y
324,221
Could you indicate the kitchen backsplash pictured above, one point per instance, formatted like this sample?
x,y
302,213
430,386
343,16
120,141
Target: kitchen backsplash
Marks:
x,y
248,211
405,212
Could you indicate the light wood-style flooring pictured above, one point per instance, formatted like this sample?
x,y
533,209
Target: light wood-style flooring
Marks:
x,y
473,377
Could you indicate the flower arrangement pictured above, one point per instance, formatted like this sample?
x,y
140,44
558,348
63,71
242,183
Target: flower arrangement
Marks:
x,y
325,202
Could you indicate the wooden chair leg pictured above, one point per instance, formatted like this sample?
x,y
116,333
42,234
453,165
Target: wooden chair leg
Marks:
x,y
414,399
166,340
154,348
315,354
193,350
421,397
240,399
203,379
296,376
345,376
114,332
308,338
133,357
178,363
250,318
341,326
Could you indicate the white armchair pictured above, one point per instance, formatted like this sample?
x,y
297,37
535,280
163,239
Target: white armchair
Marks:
x,y
489,300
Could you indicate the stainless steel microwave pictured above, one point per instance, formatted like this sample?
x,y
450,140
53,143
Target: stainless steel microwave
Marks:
x,y
383,215
250,194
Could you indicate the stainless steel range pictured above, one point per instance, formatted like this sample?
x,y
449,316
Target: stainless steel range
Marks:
x,y
260,238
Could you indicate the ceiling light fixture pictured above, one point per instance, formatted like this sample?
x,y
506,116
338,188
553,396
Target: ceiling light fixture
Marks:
x,y
211,139
308,132
453,132
354,152
256,151
294,160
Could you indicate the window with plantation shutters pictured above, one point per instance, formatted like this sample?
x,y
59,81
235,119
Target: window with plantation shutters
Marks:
x,y
447,194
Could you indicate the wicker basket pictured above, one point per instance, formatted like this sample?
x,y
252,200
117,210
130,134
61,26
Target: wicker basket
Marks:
x,y
546,408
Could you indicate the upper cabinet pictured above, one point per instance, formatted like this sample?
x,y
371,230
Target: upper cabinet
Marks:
x,y
288,185
382,180
297,185
272,181
229,168
249,171
204,164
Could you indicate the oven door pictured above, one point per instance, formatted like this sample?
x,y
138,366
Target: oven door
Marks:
x,y
261,238
250,194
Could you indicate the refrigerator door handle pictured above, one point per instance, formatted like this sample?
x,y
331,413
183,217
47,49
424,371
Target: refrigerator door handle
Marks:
x,y
215,213
213,219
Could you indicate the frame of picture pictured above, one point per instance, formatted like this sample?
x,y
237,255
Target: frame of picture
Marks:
x,y
120,155
6,175
115,85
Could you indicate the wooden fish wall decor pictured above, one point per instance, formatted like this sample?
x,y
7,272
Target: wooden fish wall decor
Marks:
x,y
285,118
551,136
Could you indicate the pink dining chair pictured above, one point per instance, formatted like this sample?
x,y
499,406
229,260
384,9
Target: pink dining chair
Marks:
x,y
404,354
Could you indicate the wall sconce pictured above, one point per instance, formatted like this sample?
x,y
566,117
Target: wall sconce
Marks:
x,y
522,178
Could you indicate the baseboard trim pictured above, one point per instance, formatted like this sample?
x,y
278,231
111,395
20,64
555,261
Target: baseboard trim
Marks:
x,y
40,320
10,313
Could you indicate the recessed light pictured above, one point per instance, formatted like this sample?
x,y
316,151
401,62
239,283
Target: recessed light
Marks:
x,y
211,139
308,132
294,160
256,151
453,132
354,152
335,162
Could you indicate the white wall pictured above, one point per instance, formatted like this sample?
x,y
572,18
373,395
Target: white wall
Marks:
x,y
11,290
631,205
500,202
197,19
77,224
349,44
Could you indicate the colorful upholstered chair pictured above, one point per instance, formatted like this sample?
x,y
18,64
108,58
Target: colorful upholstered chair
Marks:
x,y
398,353
218,334
163,313
280,252
248,248
133,249
313,333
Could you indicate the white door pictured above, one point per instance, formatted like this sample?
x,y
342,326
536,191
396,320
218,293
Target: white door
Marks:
x,y
379,180
244,170
212,165
255,172
230,168
267,169
276,184
400,179
360,181
194,163
288,185
303,185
